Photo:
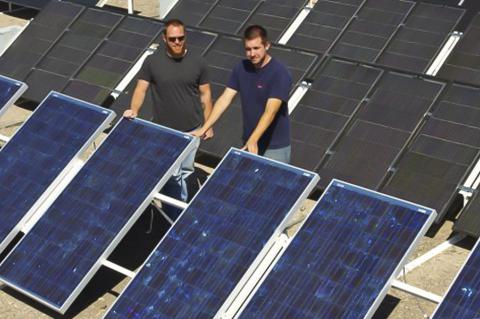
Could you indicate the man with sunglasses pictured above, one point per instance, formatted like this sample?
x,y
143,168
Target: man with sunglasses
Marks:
x,y
264,84
181,94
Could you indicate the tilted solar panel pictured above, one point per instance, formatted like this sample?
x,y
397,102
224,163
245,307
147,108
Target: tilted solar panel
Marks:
x,y
468,222
216,239
40,4
341,262
64,249
228,15
191,11
39,155
10,91
462,300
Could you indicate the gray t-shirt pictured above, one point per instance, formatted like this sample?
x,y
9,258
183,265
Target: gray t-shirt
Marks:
x,y
174,84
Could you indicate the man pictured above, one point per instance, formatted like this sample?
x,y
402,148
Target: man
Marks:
x,y
181,96
264,85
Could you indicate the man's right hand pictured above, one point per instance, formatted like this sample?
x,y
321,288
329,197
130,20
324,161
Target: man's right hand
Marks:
x,y
199,132
130,114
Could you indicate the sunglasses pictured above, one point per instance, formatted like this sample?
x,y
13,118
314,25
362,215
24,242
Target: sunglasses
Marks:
x,y
174,39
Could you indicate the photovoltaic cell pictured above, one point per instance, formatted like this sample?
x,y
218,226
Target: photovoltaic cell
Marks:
x,y
464,62
419,40
443,151
335,94
10,91
63,250
341,262
211,246
34,160
191,11
468,222
40,4
379,129
228,15
462,300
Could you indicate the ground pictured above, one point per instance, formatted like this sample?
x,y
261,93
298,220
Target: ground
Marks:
x,y
435,275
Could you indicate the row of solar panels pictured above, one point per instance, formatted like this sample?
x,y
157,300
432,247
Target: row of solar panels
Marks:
x,y
352,111
340,264
40,4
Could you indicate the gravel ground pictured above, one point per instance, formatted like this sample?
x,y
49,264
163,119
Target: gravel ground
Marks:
x,y
434,275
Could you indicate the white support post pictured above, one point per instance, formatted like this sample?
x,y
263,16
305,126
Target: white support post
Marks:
x,y
444,53
297,96
122,270
4,138
171,201
416,291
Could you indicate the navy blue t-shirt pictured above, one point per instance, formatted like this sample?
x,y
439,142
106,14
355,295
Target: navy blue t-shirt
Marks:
x,y
256,86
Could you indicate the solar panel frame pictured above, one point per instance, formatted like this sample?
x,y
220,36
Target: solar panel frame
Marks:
x,y
54,186
21,87
454,281
395,273
134,217
260,256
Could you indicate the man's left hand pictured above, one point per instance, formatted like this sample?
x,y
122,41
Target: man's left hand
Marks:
x,y
208,134
251,147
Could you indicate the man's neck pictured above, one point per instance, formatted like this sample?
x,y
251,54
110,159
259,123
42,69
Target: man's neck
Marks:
x,y
263,63
176,56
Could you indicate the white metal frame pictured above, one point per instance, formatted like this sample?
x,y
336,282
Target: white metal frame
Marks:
x,y
53,190
267,268
103,258
129,3
22,87
313,182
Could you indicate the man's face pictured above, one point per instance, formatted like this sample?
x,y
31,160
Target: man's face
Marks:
x,y
256,50
175,40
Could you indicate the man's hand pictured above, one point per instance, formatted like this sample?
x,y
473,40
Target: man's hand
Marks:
x,y
199,132
130,114
208,134
251,147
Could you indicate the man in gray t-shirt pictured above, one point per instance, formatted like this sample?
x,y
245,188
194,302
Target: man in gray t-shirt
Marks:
x,y
181,95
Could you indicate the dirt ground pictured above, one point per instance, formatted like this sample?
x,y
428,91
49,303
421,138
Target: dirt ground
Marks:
x,y
435,275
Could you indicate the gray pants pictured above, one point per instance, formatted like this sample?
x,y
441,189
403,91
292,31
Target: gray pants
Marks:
x,y
279,154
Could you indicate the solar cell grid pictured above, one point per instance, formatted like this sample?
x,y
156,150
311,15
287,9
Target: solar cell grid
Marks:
x,y
41,150
341,262
191,11
60,254
462,301
10,91
468,222
213,243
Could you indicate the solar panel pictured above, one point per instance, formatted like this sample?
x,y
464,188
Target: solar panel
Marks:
x,y
320,116
211,246
370,31
324,24
222,56
420,39
228,15
37,38
41,153
342,261
442,153
67,56
379,130
10,91
462,301
40,4
464,62
191,11
468,222
64,249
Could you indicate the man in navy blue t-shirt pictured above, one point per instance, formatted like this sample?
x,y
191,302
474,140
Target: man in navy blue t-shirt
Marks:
x,y
264,85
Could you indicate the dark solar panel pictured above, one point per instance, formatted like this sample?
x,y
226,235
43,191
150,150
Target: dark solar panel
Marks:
x,y
37,38
222,56
324,24
56,259
211,246
320,116
191,11
41,4
462,300
379,130
88,92
341,262
228,15
446,146
10,91
371,30
468,222
417,43
39,154
464,62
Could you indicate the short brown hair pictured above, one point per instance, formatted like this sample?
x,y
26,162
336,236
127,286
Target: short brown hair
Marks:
x,y
255,31
174,22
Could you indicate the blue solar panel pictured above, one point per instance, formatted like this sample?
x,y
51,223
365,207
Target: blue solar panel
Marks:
x,y
41,152
340,263
462,300
57,258
10,91
213,243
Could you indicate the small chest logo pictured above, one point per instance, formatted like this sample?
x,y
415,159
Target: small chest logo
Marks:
x,y
259,85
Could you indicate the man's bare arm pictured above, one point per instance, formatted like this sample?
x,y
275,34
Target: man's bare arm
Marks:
x,y
137,99
222,103
271,109
206,99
